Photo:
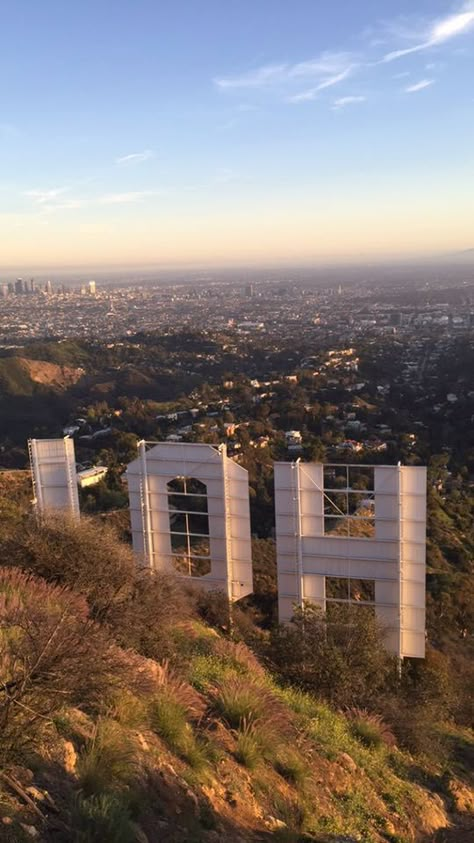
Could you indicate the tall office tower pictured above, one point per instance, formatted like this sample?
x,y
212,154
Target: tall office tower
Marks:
x,y
91,287
32,285
19,286
11,289
48,287
249,291
4,291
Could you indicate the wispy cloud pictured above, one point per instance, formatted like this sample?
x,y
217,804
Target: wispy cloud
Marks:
x,y
438,32
324,71
42,197
134,157
419,86
343,101
408,35
124,198
51,201
329,82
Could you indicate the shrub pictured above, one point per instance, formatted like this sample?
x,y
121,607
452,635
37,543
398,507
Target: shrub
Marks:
x,y
130,711
248,750
291,766
342,659
102,817
85,556
243,703
51,655
370,728
108,760
180,691
139,607
214,608
168,719
240,702
146,619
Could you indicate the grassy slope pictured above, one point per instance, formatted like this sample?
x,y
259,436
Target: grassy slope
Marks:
x,y
217,751
183,768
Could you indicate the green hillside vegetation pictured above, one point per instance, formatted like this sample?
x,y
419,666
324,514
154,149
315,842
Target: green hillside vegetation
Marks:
x,y
132,710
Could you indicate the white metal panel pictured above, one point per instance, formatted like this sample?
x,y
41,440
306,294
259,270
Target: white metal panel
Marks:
x,y
286,608
394,557
314,589
53,465
227,509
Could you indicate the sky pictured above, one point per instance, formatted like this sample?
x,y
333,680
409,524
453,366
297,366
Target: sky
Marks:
x,y
202,132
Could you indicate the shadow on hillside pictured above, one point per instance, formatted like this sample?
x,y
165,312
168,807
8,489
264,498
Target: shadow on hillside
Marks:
x,y
462,831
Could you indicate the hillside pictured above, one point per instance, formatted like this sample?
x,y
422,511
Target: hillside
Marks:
x,y
20,376
130,713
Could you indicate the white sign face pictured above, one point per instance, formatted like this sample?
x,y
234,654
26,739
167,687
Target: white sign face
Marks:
x,y
189,510
53,466
354,534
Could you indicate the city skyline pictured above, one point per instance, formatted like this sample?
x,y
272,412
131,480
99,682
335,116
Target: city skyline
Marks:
x,y
193,135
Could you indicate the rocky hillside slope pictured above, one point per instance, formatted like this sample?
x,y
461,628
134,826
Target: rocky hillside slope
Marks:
x,y
125,717
21,376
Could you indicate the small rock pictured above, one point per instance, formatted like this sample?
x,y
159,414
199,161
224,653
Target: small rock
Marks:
x,y
143,743
273,823
35,793
346,761
70,757
7,820
30,830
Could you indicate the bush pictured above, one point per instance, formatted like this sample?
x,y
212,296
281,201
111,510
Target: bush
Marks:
x,y
291,766
108,760
341,658
130,711
248,750
370,729
96,819
250,708
140,607
85,556
51,655
240,702
169,720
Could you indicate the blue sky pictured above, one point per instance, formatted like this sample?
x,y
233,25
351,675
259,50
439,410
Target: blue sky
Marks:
x,y
250,131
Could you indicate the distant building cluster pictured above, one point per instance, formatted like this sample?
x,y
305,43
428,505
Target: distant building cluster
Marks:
x,y
31,287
